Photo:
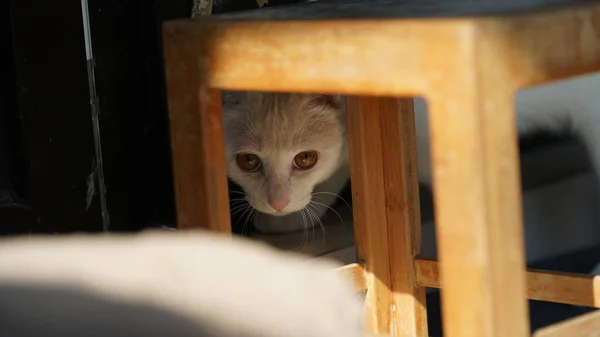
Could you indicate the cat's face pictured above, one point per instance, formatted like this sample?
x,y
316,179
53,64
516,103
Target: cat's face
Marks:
x,y
279,146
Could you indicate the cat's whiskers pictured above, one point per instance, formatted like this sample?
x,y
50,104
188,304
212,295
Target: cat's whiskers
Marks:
x,y
311,208
238,192
233,210
304,231
318,220
239,208
317,203
312,223
238,205
249,218
335,195
247,210
256,214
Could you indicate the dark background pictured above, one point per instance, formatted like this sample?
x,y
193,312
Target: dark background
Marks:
x,y
47,149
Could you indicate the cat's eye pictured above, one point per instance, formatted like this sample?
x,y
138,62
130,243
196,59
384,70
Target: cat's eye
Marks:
x,y
248,162
306,159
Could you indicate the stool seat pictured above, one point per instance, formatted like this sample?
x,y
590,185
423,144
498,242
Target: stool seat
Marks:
x,y
467,59
396,9
332,46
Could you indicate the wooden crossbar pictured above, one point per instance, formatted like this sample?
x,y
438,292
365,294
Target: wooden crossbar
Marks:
x,y
356,273
542,285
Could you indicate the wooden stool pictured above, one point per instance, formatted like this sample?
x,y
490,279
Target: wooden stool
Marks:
x,y
468,61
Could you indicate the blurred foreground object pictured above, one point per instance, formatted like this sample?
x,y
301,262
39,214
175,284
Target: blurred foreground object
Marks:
x,y
169,284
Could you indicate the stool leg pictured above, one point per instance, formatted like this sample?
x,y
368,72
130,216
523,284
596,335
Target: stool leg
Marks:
x,y
478,209
197,143
385,195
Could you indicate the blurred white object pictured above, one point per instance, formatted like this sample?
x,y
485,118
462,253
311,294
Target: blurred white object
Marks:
x,y
203,283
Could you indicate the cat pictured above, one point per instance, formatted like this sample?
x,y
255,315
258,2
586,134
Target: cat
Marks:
x,y
265,132
289,154
198,284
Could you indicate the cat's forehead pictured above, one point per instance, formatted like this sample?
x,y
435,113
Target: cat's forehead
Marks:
x,y
283,122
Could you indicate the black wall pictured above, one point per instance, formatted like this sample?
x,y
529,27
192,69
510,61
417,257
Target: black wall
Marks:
x,y
48,161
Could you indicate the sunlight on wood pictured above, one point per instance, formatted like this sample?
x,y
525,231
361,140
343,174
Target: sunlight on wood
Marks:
x,y
542,285
586,325
356,273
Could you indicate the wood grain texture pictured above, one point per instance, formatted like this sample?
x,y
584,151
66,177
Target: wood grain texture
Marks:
x,y
532,56
586,325
386,211
244,54
356,273
197,142
427,273
477,192
568,288
542,285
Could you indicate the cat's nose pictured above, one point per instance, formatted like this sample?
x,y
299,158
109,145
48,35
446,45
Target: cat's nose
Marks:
x,y
279,205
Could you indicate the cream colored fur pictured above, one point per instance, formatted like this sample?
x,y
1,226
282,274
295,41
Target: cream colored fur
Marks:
x,y
276,127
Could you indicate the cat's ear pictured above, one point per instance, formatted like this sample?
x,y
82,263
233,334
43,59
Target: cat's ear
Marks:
x,y
232,98
232,105
334,101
